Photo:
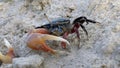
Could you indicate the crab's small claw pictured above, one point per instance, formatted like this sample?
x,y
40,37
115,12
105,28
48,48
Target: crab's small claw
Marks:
x,y
36,41
75,30
10,54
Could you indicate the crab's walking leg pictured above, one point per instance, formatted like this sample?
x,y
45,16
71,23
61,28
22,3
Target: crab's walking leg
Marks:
x,y
84,30
36,41
9,56
77,32
88,20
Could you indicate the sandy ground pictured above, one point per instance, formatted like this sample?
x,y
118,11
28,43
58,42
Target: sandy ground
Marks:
x,y
102,50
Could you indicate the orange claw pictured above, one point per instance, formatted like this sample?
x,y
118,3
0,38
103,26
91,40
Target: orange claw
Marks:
x,y
36,41
10,54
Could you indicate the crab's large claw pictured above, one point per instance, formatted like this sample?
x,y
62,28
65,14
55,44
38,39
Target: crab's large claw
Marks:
x,y
36,41
10,54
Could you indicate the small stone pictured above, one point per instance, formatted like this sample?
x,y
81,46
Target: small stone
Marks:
x,y
34,61
103,66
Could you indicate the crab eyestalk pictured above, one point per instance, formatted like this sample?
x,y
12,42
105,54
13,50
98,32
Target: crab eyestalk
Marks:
x,y
10,54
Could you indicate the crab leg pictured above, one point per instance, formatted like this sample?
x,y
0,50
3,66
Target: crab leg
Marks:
x,y
84,30
10,54
88,20
36,41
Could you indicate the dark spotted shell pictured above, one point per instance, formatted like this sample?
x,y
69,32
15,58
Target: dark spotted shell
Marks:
x,y
57,27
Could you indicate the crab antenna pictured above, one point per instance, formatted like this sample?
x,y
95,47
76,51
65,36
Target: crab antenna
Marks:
x,y
47,18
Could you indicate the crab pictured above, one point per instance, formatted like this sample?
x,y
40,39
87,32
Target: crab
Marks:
x,y
63,27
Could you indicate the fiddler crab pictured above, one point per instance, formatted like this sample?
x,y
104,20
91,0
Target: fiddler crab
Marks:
x,y
52,31
36,38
